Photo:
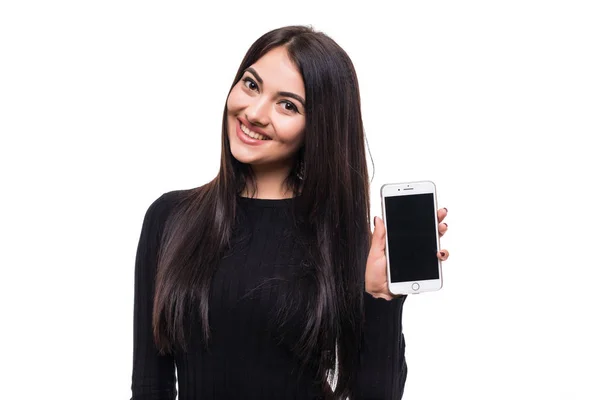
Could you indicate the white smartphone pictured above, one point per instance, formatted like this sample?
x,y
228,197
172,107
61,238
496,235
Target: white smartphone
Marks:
x,y
412,237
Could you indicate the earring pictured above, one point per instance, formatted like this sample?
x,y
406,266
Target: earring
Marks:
x,y
300,170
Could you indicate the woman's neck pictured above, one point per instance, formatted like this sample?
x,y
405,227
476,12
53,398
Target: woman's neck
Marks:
x,y
270,183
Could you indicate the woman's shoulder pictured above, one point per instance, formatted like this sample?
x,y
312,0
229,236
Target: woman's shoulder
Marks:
x,y
162,206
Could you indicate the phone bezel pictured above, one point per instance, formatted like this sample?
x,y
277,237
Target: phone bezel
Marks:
x,y
399,189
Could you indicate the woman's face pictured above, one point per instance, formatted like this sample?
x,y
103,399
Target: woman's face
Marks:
x,y
265,112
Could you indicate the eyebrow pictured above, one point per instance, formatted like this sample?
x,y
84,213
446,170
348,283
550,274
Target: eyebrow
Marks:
x,y
285,94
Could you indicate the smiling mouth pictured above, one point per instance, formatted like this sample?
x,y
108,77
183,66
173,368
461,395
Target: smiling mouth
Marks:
x,y
253,134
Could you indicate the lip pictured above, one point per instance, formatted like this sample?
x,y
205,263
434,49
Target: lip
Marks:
x,y
254,129
247,139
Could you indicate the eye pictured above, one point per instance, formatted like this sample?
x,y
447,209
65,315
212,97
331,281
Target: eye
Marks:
x,y
289,106
250,84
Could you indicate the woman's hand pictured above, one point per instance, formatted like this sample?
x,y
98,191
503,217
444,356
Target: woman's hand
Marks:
x,y
376,274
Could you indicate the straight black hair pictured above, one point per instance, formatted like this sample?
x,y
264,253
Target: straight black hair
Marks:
x,y
331,198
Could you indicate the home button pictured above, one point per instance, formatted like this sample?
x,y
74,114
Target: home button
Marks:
x,y
415,286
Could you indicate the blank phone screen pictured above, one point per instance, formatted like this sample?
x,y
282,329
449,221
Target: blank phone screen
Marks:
x,y
412,237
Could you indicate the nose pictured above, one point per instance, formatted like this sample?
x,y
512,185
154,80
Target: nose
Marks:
x,y
257,113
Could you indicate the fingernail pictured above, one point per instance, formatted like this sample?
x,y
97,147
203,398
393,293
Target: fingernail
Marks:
x,y
443,253
446,209
446,224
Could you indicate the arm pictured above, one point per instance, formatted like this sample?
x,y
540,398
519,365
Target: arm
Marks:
x,y
382,371
153,376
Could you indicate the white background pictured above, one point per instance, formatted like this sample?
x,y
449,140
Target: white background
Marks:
x,y
106,105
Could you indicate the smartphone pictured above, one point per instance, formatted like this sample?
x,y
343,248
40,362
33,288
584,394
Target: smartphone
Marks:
x,y
412,237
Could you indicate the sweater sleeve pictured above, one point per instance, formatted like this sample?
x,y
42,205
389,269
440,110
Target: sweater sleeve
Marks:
x,y
153,376
382,371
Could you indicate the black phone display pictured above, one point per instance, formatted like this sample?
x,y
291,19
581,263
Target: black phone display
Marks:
x,y
411,237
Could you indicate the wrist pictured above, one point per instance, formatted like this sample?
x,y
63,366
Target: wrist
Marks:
x,y
382,295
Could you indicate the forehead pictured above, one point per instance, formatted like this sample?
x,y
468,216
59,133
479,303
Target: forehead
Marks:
x,y
279,73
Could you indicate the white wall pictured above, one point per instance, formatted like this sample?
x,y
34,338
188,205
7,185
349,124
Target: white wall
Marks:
x,y
106,105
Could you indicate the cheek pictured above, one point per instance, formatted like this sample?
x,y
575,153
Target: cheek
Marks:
x,y
291,130
235,100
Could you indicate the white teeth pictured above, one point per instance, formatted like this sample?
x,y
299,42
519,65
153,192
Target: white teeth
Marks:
x,y
252,134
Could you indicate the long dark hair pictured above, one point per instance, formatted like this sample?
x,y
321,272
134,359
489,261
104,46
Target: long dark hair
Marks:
x,y
332,194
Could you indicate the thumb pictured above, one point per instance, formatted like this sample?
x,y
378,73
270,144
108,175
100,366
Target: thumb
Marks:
x,y
378,239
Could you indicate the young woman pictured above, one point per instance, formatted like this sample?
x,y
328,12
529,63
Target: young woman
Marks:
x,y
263,282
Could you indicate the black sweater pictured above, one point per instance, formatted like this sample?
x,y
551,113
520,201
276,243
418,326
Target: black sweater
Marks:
x,y
250,357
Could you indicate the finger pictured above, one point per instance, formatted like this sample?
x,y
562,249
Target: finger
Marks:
x,y
378,238
441,214
443,255
442,228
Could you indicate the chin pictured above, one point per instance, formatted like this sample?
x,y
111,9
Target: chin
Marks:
x,y
240,154
242,159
